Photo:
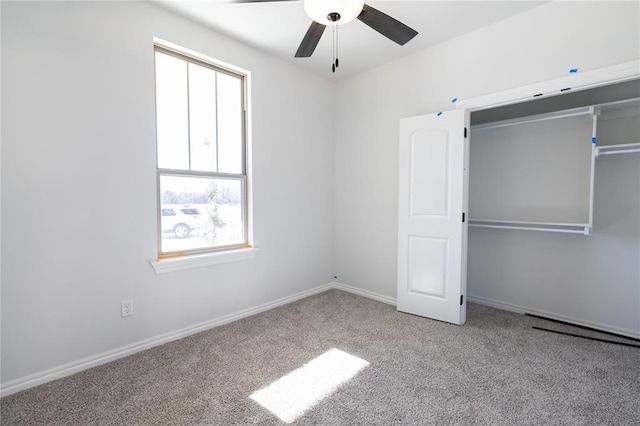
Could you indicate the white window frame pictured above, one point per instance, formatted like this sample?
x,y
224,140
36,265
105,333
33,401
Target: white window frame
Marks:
x,y
187,259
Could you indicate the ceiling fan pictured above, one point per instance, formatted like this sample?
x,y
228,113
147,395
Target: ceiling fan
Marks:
x,y
339,12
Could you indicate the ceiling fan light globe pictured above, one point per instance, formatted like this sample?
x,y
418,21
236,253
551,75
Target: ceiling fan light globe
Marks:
x,y
318,10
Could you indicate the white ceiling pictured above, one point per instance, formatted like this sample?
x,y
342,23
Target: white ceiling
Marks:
x,y
277,28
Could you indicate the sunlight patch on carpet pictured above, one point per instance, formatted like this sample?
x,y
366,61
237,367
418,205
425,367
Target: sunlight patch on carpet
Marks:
x,y
292,395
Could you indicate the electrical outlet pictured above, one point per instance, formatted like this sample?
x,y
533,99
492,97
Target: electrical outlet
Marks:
x,y
126,308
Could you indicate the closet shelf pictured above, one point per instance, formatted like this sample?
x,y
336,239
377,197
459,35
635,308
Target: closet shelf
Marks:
x,y
595,109
575,112
602,113
567,228
617,149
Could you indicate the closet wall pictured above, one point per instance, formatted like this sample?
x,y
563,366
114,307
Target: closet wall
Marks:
x,y
592,280
534,171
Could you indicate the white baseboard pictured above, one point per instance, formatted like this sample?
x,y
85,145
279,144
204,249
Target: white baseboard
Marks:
x,y
520,309
55,373
365,293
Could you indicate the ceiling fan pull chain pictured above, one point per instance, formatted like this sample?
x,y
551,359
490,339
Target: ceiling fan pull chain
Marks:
x,y
333,65
336,54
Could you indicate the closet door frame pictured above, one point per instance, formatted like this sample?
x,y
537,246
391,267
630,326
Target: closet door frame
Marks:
x,y
572,82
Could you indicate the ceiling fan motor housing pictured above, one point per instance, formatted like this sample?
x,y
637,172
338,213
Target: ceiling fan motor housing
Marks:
x,y
325,11
333,17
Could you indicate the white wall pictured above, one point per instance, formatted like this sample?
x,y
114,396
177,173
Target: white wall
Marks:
x,y
78,183
538,45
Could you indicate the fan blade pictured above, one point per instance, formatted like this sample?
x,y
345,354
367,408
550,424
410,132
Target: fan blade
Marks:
x,y
386,25
310,40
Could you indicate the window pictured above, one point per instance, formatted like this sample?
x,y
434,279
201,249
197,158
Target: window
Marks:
x,y
201,155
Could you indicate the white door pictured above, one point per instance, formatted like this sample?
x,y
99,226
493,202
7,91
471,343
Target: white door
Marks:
x,y
432,232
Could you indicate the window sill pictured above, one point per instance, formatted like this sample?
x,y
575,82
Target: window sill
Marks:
x,y
201,260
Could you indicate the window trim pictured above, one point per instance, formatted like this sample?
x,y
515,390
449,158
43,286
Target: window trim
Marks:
x,y
191,261
186,259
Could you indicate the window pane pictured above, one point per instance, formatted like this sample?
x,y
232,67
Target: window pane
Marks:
x,y
200,149
208,213
171,112
202,118
229,124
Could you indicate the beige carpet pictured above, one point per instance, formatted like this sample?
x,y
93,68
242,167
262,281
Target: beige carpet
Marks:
x,y
493,370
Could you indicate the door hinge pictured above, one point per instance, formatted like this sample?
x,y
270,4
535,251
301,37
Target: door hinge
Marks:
x,y
462,217
465,132
461,299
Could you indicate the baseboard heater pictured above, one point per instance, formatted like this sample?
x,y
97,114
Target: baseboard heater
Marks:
x,y
585,328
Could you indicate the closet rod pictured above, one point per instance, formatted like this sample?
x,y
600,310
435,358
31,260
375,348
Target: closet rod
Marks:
x,y
618,149
584,231
625,151
526,223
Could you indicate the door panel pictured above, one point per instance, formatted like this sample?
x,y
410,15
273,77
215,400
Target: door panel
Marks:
x,y
433,184
429,171
428,266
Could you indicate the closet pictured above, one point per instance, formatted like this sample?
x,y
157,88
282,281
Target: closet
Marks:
x,y
536,171
546,206
554,200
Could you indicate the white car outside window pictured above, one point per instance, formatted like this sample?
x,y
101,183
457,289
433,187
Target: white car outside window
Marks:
x,y
179,220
